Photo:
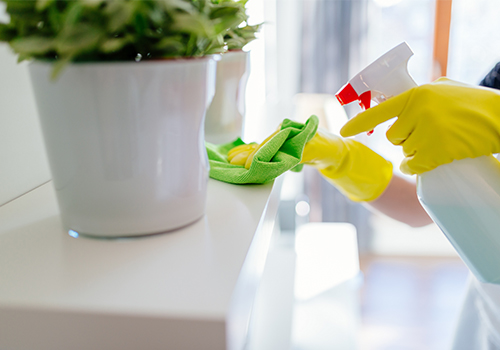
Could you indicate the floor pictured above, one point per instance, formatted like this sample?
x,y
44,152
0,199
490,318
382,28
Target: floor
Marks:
x,y
410,303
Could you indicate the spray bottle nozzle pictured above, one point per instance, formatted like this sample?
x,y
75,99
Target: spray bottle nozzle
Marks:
x,y
386,77
347,94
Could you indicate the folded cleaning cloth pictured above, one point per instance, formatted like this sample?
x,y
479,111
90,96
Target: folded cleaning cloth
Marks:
x,y
281,153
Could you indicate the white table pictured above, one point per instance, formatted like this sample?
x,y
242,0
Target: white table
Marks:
x,y
188,289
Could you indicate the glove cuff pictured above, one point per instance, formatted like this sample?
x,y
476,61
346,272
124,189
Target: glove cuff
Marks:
x,y
363,174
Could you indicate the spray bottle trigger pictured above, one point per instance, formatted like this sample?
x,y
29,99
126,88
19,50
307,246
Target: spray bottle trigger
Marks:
x,y
365,99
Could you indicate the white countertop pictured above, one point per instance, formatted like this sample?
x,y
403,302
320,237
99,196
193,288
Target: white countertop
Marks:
x,y
188,289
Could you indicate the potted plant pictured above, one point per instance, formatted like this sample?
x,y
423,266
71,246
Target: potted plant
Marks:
x,y
122,89
225,116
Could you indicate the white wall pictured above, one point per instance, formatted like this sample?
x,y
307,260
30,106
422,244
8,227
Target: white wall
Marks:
x,y
23,164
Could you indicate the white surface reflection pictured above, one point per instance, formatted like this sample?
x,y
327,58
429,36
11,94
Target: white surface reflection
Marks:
x,y
327,255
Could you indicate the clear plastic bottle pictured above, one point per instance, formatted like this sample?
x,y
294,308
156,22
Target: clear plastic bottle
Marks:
x,y
462,197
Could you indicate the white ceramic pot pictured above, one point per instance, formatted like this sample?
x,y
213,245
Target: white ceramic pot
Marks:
x,y
225,116
125,143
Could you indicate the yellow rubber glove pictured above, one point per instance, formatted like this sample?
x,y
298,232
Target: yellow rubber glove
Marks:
x,y
437,123
356,170
243,154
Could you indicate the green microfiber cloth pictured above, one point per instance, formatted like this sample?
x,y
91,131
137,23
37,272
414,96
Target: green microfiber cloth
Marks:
x,y
281,153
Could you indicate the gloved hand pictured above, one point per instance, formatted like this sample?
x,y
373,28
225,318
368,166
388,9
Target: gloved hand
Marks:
x,y
243,154
437,123
356,170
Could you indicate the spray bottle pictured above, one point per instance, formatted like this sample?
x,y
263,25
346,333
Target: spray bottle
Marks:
x,y
462,197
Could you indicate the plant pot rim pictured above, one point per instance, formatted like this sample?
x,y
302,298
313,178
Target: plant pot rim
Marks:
x,y
237,50
179,60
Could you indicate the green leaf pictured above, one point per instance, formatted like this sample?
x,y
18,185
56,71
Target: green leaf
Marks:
x,y
113,45
236,43
216,46
223,25
119,14
157,17
140,23
73,14
170,45
43,4
191,48
91,30
78,39
227,16
178,5
7,33
19,8
195,25
92,3
225,11
58,67
32,45
55,18
239,37
23,57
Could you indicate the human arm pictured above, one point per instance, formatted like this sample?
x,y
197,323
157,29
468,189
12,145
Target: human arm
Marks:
x,y
399,201
364,176
358,172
